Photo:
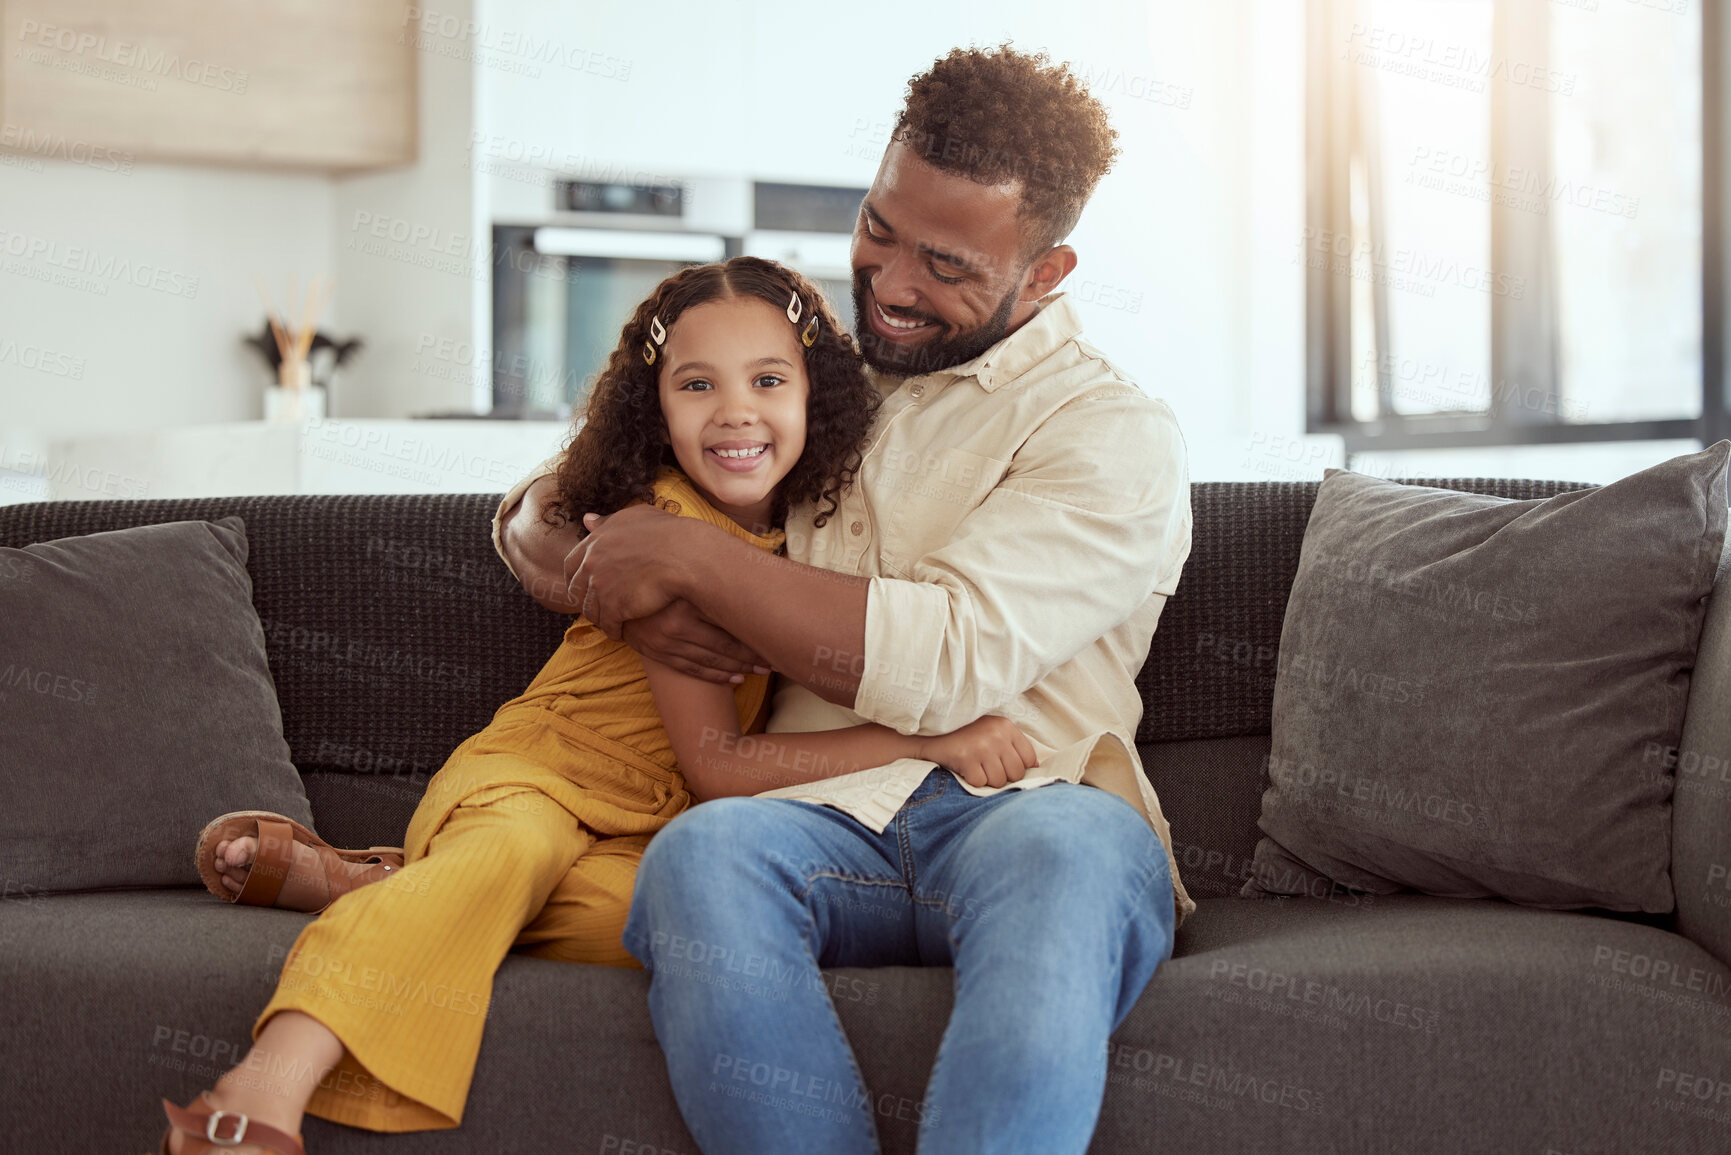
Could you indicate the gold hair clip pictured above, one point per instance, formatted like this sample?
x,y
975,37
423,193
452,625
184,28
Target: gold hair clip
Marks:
x,y
810,334
657,333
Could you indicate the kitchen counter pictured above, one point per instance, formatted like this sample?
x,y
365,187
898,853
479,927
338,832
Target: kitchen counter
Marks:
x,y
328,455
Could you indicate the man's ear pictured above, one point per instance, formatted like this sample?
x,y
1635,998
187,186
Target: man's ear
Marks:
x,y
1047,272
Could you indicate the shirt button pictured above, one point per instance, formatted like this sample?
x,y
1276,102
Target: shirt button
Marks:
x,y
857,527
916,391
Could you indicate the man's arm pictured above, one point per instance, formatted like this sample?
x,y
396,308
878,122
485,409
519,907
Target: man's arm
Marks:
x,y
536,552
1092,519
806,623
534,549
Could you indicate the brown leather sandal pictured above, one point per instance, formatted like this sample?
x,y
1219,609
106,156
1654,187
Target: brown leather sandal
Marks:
x,y
271,864
213,1129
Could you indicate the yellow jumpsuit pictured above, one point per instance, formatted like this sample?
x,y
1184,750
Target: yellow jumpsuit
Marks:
x,y
529,836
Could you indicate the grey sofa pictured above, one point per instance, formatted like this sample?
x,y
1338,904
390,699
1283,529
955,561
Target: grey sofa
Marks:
x,y
1336,1023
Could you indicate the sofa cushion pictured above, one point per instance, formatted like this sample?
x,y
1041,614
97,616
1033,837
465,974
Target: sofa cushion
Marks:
x,y
1701,807
1467,686
136,704
167,985
1210,670
1434,1026
394,630
1422,1025
1210,789
363,809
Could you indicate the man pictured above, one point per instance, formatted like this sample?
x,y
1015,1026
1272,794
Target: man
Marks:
x,y
1020,517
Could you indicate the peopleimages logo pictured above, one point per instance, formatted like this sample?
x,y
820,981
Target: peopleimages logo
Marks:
x,y
59,474
1102,80
41,359
47,683
57,146
1307,784
1453,65
126,54
507,49
1402,267
1662,971
1150,1070
103,267
1418,585
1518,187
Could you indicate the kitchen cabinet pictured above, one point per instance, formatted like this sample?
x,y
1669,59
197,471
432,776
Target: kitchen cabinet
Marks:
x,y
308,84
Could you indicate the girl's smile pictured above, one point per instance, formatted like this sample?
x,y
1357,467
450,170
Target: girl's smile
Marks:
x,y
740,456
733,392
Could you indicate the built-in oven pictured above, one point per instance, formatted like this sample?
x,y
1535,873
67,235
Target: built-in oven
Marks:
x,y
563,285
809,228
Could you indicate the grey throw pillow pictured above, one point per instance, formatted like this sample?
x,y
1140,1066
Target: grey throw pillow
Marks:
x,y
1701,807
1469,689
135,706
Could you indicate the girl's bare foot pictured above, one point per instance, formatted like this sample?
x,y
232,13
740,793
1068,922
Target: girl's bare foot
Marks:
x,y
277,1077
305,888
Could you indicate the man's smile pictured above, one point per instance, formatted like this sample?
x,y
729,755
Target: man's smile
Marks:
x,y
893,328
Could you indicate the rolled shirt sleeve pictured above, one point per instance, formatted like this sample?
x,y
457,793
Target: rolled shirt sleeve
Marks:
x,y
1091,520
512,497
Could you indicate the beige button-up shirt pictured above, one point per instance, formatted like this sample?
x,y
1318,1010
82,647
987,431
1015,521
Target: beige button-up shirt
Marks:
x,y
1022,518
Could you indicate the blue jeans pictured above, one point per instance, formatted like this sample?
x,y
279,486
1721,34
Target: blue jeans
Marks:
x,y
1054,906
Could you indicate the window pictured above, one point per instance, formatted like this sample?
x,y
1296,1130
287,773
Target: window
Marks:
x,y
1511,222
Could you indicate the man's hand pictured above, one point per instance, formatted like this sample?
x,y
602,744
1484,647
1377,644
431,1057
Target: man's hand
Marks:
x,y
535,548
681,637
628,567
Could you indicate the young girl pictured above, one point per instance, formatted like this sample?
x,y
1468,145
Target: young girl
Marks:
x,y
732,394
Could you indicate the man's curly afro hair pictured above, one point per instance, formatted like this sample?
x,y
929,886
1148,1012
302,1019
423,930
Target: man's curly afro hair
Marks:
x,y
999,115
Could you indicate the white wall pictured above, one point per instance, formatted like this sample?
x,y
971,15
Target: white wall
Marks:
x,y
123,355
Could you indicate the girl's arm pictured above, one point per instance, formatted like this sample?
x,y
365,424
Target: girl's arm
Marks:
x,y
702,723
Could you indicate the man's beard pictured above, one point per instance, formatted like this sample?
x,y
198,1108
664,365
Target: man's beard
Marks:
x,y
938,353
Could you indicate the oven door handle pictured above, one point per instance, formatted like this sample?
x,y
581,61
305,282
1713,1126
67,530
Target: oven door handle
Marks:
x,y
629,244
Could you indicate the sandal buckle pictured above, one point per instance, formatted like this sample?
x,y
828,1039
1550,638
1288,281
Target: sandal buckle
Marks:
x,y
234,1140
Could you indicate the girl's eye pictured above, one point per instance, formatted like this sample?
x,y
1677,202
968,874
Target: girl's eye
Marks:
x,y
769,377
937,276
696,384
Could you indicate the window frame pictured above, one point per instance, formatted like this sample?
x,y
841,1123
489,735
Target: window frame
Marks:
x,y
1522,330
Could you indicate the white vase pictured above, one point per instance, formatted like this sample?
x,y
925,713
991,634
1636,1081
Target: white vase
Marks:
x,y
295,398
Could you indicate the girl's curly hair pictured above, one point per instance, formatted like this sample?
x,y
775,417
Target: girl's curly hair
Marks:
x,y
618,450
